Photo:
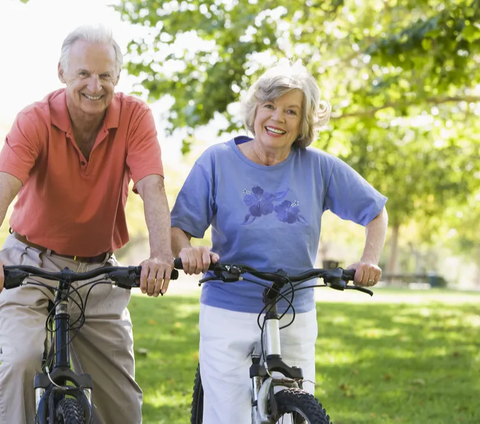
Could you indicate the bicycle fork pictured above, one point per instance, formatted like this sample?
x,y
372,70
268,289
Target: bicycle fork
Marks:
x,y
263,384
54,382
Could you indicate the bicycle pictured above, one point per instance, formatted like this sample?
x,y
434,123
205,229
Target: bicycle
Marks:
x,y
61,395
269,405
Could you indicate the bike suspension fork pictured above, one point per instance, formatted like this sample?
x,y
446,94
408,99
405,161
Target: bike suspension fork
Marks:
x,y
62,339
272,334
257,374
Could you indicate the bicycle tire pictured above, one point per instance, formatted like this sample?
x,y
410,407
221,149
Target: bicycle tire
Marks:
x,y
69,411
300,406
197,399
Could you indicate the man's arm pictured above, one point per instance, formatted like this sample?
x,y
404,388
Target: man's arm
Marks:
x,y
156,270
9,188
367,271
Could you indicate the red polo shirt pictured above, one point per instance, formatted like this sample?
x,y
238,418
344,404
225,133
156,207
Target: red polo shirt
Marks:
x,y
68,204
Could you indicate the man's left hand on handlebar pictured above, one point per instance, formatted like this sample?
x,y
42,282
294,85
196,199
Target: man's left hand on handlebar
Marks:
x,y
155,276
366,274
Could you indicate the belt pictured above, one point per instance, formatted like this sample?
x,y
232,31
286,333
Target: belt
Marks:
x,y
90,259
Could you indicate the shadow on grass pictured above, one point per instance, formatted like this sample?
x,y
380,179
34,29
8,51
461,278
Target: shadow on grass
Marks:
x,y
376,363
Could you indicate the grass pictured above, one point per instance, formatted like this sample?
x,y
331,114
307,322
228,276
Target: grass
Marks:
x,y
413,360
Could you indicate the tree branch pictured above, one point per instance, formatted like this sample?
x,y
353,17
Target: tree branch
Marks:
x,y
433,100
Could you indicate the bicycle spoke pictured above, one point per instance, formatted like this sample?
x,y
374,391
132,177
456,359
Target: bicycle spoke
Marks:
x,y
293,418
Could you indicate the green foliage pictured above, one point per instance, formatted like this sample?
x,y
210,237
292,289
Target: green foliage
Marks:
x,y
409,357
465,231
402,77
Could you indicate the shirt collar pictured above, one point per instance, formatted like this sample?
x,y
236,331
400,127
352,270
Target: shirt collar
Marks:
x,y
59,111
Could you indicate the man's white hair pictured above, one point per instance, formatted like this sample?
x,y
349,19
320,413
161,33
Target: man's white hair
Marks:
x,y
92,34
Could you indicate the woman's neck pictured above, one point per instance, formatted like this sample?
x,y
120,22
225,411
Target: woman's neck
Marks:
x,y
267,157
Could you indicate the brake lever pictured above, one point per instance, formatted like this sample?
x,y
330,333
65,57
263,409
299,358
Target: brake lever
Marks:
x,y
225,276
362,289
204,280
228,274
125,280
338,284
14,278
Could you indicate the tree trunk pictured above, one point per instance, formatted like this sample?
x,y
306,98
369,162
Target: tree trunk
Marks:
x,y
477,280
392,261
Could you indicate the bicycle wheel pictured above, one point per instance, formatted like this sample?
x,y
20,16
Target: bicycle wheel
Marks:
x,y
197,399
69,411
296,406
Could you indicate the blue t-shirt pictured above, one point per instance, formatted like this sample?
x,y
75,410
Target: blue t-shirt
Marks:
x,y
268,217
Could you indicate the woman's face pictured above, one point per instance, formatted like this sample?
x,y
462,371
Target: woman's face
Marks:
x,y
277,122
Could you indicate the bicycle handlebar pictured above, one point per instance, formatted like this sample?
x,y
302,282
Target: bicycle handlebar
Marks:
x,y
336,278
125,277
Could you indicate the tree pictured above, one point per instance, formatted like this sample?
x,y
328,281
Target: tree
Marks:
x,y
401,75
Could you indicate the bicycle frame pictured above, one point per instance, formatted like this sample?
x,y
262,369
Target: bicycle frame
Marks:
x,y
51,386
56,383
267,403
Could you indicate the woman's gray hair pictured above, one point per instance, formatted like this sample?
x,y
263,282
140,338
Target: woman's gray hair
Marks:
x,y
276,82
92,34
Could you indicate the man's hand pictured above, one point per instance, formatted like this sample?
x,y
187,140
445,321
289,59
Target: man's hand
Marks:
x,y
155,275
2,276
366,273
197,259
157,270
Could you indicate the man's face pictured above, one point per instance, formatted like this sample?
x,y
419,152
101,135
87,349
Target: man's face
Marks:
x,y
90,77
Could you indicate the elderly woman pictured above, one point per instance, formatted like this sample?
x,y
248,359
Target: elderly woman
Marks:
x,y
264,198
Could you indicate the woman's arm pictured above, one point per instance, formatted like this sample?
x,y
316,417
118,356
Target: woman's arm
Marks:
x,y
195,260
375,233
367,271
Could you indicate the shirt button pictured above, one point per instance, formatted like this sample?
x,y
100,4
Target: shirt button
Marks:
x,y
83,163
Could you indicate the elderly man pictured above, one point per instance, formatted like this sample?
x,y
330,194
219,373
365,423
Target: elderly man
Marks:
x,y
70,158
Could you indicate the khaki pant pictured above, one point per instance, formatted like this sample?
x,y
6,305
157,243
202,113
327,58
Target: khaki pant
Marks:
x,y
102,348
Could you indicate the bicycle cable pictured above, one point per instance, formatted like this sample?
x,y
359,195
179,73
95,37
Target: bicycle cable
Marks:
x,y
80,303
279,296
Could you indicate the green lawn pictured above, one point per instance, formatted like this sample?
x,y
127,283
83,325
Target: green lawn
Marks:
x,y
410,357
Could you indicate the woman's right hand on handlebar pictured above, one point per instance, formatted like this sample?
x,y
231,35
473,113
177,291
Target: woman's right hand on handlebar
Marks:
x,y
196,260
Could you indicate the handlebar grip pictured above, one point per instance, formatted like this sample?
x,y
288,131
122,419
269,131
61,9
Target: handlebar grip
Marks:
x,y
177,263
173,275
13,278
348,274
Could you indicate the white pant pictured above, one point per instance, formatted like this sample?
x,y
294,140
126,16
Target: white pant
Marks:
x,y
227,339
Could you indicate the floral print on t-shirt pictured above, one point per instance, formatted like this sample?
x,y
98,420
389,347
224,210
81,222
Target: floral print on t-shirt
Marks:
x,y
261,202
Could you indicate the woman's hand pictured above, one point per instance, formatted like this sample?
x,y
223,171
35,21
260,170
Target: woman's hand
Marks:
x,y
197,259
366,274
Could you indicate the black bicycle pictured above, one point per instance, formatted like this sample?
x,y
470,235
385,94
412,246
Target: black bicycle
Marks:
x,y
63,396
270,405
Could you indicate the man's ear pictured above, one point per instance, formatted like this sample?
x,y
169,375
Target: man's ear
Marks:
x,y
60,73
118,79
